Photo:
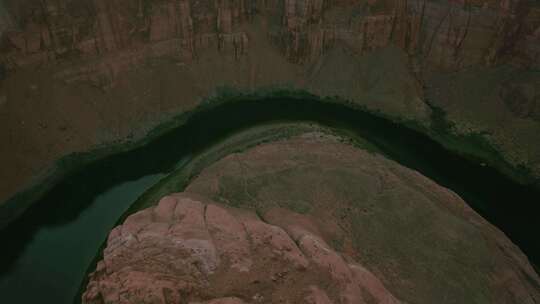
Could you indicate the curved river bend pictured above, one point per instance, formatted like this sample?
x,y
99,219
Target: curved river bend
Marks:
x,y
46,252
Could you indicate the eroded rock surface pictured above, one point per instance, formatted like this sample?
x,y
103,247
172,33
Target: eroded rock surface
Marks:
x,y
419,238
311,220
80,73
188,249
450,33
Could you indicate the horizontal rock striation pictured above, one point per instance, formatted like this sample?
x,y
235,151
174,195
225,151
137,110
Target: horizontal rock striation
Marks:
x,y
444,34
420,239
310,220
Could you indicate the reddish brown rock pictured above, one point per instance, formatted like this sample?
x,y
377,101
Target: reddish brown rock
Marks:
x,y
447,34
109,70
364,230
358,211
189,249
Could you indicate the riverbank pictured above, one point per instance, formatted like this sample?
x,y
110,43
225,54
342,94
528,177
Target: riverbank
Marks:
x,y
45,118
179,178
143,67
474,146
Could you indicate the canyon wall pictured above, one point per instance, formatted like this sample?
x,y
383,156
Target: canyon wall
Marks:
x,y
443,34
416,241
76,74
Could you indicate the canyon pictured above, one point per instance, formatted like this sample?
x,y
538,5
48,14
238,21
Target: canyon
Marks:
x,y
79,74
310,220
281,148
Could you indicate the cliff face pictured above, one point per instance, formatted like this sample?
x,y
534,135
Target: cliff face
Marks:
x,y
80,73
189,249
444,34
56,31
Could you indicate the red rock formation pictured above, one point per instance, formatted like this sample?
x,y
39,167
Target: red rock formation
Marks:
x,y
99,27
325,47
448,34
419,238
191,250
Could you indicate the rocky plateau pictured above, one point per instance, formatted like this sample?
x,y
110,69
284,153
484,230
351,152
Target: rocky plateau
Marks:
x,y
310,220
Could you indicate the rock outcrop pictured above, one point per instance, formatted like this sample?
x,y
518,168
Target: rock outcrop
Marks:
x,y
189,249
420,239
446,34
57,31
310,220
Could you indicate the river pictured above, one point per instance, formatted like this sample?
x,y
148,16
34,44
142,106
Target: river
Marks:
x,y
46,252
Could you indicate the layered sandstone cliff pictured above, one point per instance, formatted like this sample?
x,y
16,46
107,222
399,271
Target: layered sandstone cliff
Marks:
x,y
79,73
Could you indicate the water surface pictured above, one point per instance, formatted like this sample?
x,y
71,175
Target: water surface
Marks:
x,y
49,267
